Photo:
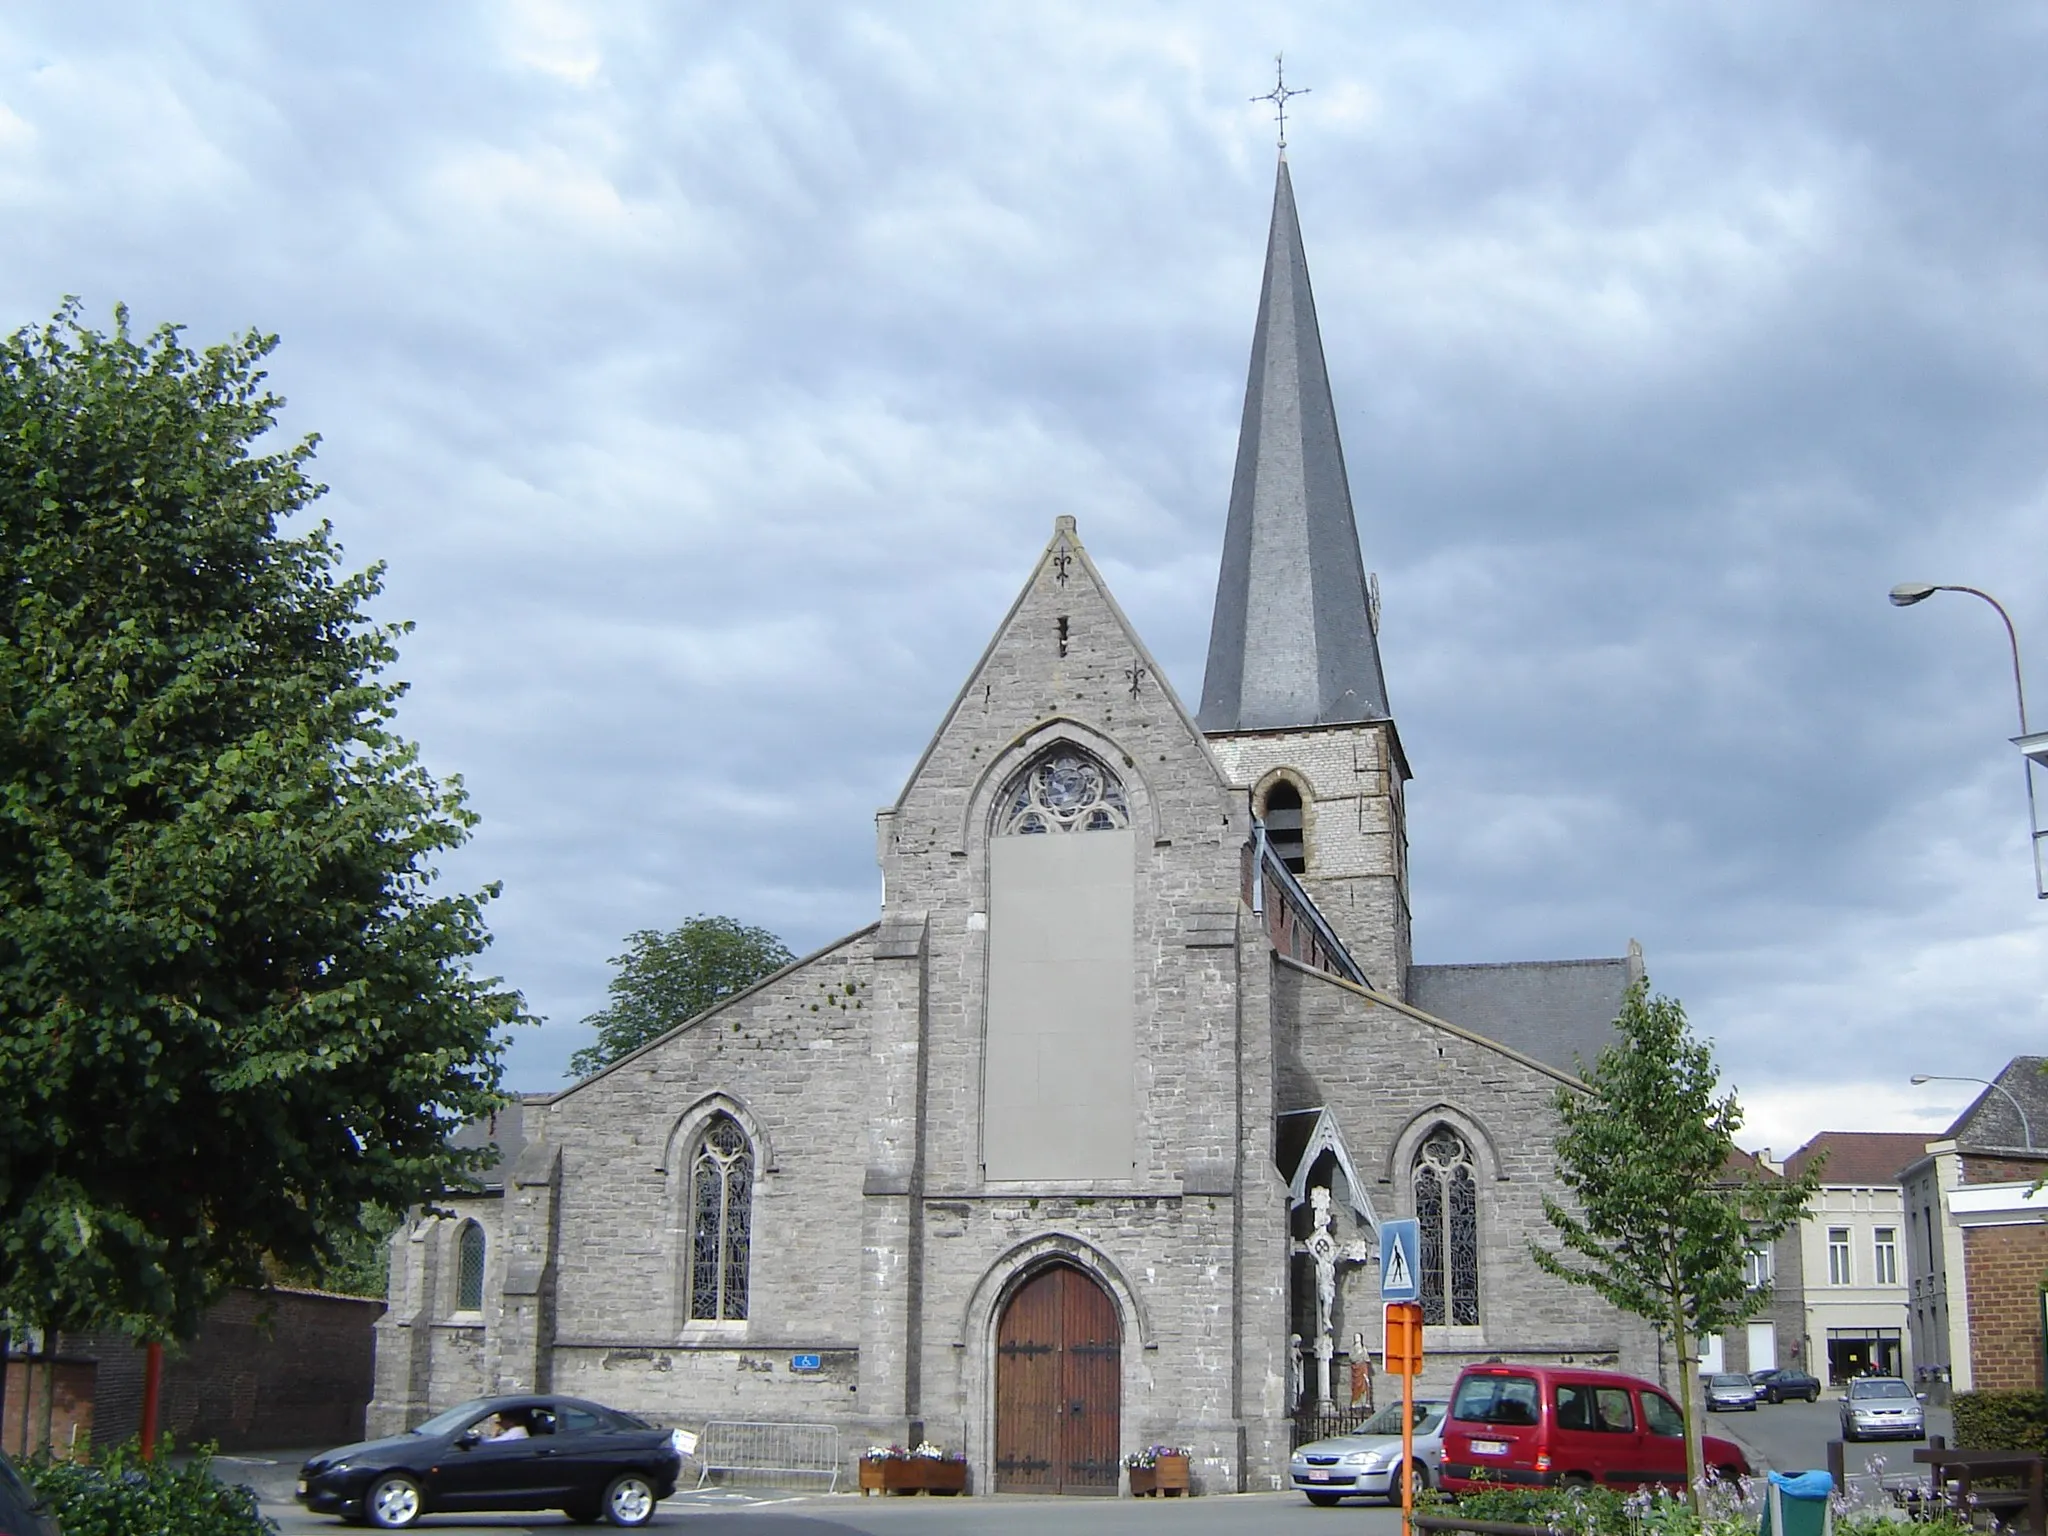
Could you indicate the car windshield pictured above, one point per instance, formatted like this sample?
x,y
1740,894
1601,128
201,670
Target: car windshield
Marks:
x,y
1388,1420
1879,1389
1728,1381
452,1419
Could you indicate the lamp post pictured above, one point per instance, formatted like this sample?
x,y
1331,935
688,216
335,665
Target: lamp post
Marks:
x,y
2026,1130
2033,748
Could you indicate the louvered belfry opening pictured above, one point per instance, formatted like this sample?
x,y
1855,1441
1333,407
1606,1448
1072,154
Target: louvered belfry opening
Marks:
x,y
1285,829
1059,1377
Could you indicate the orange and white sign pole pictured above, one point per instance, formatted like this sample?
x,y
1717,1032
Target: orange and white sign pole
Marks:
x,y
1404,1358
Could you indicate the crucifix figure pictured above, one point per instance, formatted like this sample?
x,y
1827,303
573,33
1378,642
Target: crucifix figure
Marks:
x,y
1322,1246
1279,94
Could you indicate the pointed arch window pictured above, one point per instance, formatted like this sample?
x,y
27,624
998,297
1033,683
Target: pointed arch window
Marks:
x,y
1063,790
721,1221
1447,1210
469,1268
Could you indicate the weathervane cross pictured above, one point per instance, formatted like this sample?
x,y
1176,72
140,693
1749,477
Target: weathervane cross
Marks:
x,y
1279,94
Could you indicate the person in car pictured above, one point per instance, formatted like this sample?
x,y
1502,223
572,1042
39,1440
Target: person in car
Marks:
x,y
508,1426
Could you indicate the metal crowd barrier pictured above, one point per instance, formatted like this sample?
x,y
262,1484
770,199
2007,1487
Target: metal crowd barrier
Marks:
x,y
732,1447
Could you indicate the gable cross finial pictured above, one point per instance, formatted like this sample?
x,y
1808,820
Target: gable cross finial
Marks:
x,y
1279,94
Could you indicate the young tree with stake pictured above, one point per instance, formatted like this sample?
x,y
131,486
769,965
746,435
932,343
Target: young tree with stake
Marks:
x,y
1663,1211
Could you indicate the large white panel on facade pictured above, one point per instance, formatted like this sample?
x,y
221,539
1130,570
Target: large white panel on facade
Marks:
x,y
1712,1362
1763,1346
1056,1092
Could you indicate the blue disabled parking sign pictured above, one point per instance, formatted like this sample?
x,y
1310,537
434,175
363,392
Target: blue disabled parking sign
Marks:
x,y
1401,1260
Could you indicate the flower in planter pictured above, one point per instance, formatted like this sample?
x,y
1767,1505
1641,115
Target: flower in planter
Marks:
x,y
928,1451
886,1453
1149,1457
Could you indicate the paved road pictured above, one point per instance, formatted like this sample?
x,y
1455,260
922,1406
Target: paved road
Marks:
x,y
768,1513
1793,1437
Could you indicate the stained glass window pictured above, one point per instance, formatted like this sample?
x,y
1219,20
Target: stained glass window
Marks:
x,y
469,1269
1063,790
721,1215
1447,1210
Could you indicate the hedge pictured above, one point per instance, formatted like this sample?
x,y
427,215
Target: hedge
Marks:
x,y
127,1496
2002,1421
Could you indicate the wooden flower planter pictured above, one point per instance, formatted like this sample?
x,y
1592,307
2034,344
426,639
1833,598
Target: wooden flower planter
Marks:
x,y
1167,1477
917,1474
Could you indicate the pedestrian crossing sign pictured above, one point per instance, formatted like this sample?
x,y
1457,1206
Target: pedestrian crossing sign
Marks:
x,y
1400,1260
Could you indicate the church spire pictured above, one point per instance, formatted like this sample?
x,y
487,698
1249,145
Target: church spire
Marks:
x,y
1292,642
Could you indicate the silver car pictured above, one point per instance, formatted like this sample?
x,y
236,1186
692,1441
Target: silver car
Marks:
x,y
1728,1390
1881,1407
1364,1462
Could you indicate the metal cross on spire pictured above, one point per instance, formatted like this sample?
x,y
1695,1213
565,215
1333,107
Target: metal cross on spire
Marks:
x,y
1279,94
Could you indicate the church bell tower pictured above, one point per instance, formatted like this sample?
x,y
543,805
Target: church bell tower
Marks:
x,y
1294,704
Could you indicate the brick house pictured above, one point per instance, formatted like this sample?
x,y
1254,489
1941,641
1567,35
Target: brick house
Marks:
x,y
1775,1335
1085,1142
1977,1240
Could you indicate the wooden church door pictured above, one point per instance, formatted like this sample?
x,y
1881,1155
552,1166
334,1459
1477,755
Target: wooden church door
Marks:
x,y
1059,1384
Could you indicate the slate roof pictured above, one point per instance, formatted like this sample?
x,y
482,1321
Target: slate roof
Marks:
x,y
1292,641
1860,1157
1990,1122
505,1131
1561,1012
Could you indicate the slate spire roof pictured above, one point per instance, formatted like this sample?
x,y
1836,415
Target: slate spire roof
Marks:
x,y
1292,641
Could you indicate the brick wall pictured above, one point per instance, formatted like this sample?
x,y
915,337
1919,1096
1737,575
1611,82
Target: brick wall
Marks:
x,y
70,1427
2006,1266
268,1371
2002,1170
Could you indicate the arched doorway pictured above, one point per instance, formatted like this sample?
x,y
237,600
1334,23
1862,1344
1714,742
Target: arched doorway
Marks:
x,y
1059,1384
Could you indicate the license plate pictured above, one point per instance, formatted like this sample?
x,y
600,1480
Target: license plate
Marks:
x,y
1318,1475
302,1485
1489,1447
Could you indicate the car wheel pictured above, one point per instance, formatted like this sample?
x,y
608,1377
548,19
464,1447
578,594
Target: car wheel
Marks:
x,y
1813,1394
1728,1476
393,1502
629,1500
1575,1480
1419,1475
1325,1500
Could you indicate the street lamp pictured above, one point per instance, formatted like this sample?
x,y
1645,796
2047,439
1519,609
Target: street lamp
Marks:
x,y
2026,1130
2033,747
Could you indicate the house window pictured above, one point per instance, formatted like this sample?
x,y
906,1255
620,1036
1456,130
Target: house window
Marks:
x,y
1838,1256
1286,834
1887,1256
469,1268
1756,1267
1447,1210
721,1212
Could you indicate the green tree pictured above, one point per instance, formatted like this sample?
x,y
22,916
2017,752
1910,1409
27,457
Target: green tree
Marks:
x,y
664,979
235,1009
1666,1213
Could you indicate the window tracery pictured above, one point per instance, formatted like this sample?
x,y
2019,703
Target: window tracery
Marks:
x,y
721,1219
1064,790
1447,1210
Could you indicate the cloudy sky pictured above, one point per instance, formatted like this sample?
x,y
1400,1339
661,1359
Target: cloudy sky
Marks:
x,y
710,376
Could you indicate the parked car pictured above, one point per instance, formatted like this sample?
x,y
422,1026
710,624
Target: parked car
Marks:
x,y
1729,1389
501,1453
1881,1407
21,1512
1776,1386
1365,1462
1547,1425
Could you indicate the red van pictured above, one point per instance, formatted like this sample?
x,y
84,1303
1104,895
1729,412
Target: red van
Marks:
x,y
1545,1425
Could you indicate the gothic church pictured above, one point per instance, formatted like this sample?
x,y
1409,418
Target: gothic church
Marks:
x,y
1084,1143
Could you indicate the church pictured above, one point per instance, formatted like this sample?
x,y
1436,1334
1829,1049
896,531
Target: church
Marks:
x,y
1083,1145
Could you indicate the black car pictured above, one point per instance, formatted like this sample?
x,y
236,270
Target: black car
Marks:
x,y
1776,1386
20,1510
501,1453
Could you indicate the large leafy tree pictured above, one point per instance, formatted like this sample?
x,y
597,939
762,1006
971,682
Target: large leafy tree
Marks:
x,y
1665,1210
665,978
235,1008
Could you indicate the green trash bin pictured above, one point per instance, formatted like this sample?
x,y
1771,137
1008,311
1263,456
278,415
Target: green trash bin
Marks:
x,y
1800,1505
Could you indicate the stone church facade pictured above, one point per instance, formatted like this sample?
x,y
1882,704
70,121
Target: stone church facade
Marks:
x,y
1083,1144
